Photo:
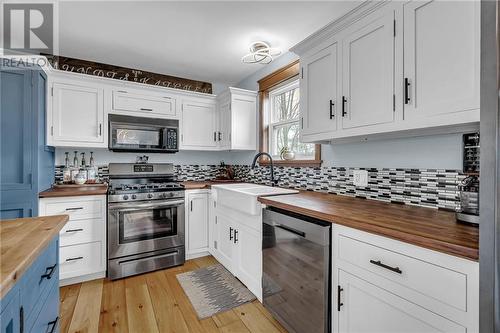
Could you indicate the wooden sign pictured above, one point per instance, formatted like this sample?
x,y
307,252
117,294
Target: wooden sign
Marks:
x,y
126,74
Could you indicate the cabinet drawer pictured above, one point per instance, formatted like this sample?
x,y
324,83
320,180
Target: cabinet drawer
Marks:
x,y
436,282
81,259
78,208
129,101
48,318
36,281
82,231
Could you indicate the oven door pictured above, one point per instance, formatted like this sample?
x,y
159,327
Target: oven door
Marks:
x,y
138,227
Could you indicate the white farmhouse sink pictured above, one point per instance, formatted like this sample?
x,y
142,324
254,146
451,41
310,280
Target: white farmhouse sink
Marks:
x,y
243,196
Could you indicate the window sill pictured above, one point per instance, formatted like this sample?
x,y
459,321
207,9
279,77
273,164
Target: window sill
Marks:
x,y
293,163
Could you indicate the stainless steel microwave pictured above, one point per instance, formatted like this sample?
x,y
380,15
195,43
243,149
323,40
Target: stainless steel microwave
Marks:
x,y
138,134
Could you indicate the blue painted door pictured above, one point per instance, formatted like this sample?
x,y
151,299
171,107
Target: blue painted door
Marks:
x,y
26,164
10,316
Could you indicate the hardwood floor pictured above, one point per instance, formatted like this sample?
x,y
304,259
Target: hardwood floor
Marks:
x,y
153,302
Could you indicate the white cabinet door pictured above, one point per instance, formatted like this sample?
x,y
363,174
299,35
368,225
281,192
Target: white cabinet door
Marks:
x,y
368,72
197,222
145,105
368,308
198,125
224,241
248,258
319,91
224,134
243,110
77,115
441,57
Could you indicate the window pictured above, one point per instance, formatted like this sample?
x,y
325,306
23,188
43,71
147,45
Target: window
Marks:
x,y
279,100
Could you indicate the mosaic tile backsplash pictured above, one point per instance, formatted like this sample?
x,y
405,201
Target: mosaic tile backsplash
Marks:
x,y
436,188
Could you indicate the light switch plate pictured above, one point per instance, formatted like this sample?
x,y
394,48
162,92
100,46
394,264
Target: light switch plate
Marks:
x,y
360,178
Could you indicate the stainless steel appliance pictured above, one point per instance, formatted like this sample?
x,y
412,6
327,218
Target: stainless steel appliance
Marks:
x,y
137,134
145,219
296,270
469,188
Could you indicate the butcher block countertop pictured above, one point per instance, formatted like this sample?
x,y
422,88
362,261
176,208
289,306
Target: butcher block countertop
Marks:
x,y
21,242
426,227
74,190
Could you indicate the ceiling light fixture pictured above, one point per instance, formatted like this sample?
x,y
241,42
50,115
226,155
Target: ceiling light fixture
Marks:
x,y
260,52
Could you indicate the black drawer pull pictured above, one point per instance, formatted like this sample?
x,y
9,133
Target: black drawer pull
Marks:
x,y
235,236
146,109
53,324
230,233
74,230
344,112
392,269
407,91
75,258
339,291
49,271
331,109
74,208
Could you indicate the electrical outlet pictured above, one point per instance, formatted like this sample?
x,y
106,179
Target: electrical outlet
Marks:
x,y
360,178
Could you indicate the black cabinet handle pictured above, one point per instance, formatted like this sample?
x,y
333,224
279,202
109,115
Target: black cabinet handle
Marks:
x,y
49,271
339,291
230,233
146,109
215,136
344,112
100,129
392,269
74,230
21,320
74,208
53,324
73,259
235,236
220,136
331,109
407,91
191,205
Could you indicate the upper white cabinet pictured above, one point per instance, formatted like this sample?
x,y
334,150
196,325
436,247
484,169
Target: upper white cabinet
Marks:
x,y
404,68
368,72
140,103
237,120
199,128
441,59
75,114
319,88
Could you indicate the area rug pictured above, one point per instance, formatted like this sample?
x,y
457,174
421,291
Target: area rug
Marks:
x,y
213,289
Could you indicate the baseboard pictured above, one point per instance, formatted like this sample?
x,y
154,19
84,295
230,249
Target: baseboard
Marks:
x,y
197,255
83,278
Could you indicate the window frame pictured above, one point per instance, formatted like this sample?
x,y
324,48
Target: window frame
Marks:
x,y
275,81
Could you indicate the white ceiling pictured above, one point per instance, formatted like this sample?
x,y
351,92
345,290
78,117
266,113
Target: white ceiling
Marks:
x,y
202,40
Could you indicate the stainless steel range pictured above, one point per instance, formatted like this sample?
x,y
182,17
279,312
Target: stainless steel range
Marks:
x,y
145,219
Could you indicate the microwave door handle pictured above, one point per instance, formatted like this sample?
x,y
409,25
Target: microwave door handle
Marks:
x,y
164,143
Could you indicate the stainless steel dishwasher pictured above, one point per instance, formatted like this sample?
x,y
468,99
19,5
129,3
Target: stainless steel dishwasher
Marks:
x,y
296,270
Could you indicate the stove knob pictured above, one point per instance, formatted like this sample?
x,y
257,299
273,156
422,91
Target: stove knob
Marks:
x,y
125,197
150,195
134,196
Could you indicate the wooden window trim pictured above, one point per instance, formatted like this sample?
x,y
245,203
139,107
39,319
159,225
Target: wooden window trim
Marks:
x,y
267,83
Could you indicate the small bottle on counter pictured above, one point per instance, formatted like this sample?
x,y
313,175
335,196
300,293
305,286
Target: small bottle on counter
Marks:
x,y
66,170
83,169
74,168
92,170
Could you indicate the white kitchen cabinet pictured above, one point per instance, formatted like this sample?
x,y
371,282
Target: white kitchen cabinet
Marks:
x,y
198,124
196,223
224,249
368,72
75,116
143,103
383,285
248,263
441,58
319,92
237,120
82,246
369,308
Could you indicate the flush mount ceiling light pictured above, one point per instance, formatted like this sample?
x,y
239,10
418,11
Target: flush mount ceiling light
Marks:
x,y
260,52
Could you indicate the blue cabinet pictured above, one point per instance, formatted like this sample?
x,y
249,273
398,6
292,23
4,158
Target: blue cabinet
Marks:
x,y
32,305
26,163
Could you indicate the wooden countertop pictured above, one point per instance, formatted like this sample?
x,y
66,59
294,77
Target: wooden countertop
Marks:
x,y
74,190
426,227
21,241
200,185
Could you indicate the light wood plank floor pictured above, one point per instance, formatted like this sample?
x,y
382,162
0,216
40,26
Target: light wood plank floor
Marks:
x,y
153,302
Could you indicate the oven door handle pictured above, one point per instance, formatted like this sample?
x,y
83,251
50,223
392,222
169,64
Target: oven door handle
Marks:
x,y
131,207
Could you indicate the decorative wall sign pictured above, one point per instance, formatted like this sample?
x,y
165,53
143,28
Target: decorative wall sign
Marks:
x,y
126,74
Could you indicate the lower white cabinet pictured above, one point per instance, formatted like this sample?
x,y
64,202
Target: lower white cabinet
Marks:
x,y
197,223
82,246
236,242
383,285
